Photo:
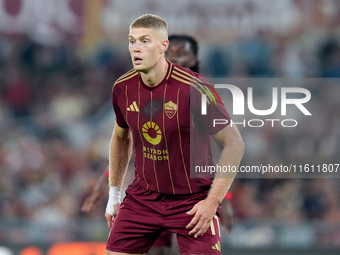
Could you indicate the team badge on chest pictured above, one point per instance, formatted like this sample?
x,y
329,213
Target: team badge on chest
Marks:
x,y
170,109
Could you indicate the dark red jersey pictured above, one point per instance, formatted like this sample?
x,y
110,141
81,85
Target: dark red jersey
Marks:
x,y
170,135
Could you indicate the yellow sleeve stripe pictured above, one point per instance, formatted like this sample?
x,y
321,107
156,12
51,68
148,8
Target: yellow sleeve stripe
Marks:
x,y
126,74
194,84
195,80
187,74
133,74
186,82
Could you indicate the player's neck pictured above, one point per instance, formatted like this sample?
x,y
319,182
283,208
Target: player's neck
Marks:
x,y
155,75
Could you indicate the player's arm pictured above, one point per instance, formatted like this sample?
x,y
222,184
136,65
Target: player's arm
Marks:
x,y
120,152
96,193
232,153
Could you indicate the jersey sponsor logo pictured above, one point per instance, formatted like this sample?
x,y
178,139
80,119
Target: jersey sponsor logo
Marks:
x,y
133,107
154,154
170,109
152,133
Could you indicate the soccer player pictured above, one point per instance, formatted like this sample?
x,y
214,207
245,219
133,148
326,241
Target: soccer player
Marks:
x,y
156,106
182,50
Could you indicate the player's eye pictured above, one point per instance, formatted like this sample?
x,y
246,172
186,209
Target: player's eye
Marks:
x,y
131,41
145,41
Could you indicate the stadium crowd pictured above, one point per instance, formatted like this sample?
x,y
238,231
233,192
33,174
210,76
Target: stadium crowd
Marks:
x,y
56,118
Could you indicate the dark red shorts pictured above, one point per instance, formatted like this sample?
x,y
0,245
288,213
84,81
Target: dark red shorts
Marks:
x,y
145,214
164,240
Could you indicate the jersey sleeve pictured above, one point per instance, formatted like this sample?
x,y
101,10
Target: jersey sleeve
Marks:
x,y
116,91
216,116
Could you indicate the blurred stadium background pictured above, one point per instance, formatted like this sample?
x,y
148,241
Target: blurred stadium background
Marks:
x,y
58,61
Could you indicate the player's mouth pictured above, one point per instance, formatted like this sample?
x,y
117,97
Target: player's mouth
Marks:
x,y
137,60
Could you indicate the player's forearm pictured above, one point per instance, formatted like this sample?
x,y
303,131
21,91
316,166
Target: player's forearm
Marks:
x,y
120,152
231,157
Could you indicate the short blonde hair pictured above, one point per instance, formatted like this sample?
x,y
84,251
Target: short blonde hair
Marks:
x,y
151,21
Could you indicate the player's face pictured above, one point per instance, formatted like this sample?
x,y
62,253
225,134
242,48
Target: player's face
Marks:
x,y
146,48
180,54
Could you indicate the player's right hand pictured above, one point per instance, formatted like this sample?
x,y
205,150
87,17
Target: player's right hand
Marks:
x,y
113,205
109,217
203,213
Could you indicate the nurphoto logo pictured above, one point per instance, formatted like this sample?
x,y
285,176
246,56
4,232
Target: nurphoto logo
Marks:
x,y
288,96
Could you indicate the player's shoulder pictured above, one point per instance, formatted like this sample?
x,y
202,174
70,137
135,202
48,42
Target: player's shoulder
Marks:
x,y
184,77
184,73
126,79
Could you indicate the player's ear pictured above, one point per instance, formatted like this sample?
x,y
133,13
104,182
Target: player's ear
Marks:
x,y
164,45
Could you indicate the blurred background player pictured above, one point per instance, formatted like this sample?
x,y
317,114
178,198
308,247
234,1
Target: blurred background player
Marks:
x,y
183,50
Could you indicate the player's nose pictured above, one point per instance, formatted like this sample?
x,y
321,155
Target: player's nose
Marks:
x,y
135,47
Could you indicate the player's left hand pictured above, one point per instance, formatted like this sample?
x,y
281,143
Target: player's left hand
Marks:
x,y
203,212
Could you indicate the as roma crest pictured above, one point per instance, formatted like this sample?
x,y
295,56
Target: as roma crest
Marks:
x,y
170,109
